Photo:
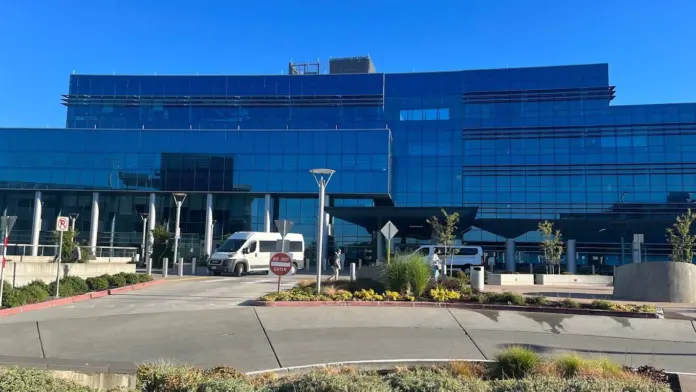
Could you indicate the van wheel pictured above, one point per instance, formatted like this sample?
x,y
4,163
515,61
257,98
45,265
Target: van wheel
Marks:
x,y
293,270
467,269
239,269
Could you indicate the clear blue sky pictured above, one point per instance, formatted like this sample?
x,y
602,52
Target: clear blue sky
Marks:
x,y
649,44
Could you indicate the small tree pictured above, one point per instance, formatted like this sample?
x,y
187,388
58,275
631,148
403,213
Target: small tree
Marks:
x,y
552,245
681,239
68,246
445,232
160,245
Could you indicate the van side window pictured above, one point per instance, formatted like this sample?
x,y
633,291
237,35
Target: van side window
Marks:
x,y
296,246
252,247
424,252
468,251
267,246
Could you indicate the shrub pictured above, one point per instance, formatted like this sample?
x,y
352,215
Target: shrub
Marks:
x,y
422,380
602,304
117,280
6,289
226,385
131,278
537,300
326,381
481,298
97,284
452,284
467,369
569,365
441,294
569,303
516,362
79,285
142,278
34,293
31,380
39,283
342,295
225,372
646,308
507,298
463,277
392,295
14,298
163,377
367,295
408,272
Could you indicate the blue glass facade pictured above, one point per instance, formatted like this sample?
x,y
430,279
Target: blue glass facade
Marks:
x,y
516,145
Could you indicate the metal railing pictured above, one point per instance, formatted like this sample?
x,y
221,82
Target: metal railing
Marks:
x,y
24,250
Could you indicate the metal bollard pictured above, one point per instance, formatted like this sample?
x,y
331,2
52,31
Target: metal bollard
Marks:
x,y
531,268
352,272
165,267
359,263
149,266
194,265
181,266
593,269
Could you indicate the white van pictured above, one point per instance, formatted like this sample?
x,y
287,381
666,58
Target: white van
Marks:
x,y
463,258
251,251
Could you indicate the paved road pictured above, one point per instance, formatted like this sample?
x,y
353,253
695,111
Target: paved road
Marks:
x,y
199,322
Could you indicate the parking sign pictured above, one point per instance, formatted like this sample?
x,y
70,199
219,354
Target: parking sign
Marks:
x,y
62,223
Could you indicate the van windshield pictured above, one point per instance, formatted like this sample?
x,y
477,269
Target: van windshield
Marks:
x,y
231,245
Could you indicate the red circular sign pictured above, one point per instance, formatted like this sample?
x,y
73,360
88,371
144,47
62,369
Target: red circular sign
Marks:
x,y
281,264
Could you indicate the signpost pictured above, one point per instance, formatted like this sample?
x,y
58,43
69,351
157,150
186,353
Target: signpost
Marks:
x,y
389,231
62,225
281,262
6,225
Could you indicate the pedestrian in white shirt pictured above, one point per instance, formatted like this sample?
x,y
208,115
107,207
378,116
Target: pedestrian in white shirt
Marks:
x,y
435,264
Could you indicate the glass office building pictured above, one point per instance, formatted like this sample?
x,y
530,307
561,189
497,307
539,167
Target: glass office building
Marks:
x,y
505,148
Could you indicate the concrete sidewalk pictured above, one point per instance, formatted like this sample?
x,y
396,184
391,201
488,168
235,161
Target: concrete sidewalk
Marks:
x,y
262,338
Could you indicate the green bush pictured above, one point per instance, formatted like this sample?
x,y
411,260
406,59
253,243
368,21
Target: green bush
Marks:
x,y
34,293
569,303
164,377
323,381
602,304
30,380
39,283
226,385
6,289
97,284
579,384
14,298
131,278
117,280
516,362
408,273
507,298
539,300
79,285
569,365
142,278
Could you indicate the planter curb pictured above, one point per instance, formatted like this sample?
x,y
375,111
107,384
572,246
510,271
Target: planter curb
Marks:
x,y
455,305
77,298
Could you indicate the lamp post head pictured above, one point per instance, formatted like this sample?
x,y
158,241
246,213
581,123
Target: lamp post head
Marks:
x,y
319,175
179,197
74,215
144,215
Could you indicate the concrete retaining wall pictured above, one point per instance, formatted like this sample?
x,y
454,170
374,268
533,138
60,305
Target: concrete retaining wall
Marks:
x,y
546,280
20,274
373,272
656,282
510,279
49,259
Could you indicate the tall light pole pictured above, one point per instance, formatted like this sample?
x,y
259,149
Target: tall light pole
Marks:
x,y
143,251
322,177
73,218
179,200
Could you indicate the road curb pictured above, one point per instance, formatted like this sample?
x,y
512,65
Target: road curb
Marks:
x,y
459,305
77,298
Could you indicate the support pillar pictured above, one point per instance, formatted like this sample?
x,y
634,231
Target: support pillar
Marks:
x,y
209,225
267,214
571,260
94,224
510,265
36,224
380,246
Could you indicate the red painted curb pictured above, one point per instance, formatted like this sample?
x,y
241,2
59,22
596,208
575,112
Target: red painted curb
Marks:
x,y
77,298
459,305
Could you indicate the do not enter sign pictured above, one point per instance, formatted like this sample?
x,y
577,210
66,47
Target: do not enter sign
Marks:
x,y
281,264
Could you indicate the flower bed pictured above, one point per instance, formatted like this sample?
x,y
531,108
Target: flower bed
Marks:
x,y
514,369
448,291
38,291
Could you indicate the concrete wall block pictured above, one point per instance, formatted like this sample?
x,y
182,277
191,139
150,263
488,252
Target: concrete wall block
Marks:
x,y
545,280
20,274
510,279
656,282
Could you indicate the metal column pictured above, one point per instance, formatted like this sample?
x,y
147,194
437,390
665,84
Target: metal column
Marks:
x,y
267,213
380,246
94,224
510,265
209,225
151,222
571,253
36,225
325,239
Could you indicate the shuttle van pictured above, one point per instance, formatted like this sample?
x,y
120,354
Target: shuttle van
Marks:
x,y
463,258
251,251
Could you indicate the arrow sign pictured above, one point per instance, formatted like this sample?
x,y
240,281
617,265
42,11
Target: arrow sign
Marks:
x,y
389,231
284,227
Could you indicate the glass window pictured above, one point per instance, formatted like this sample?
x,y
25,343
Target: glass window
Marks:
x,y
443,114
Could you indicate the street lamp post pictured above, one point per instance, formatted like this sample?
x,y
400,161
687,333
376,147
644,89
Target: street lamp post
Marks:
x,y
322,177
179,200
73,218
143,248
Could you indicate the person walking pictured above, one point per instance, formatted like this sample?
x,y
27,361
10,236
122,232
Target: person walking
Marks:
x,y
336,264
435,264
